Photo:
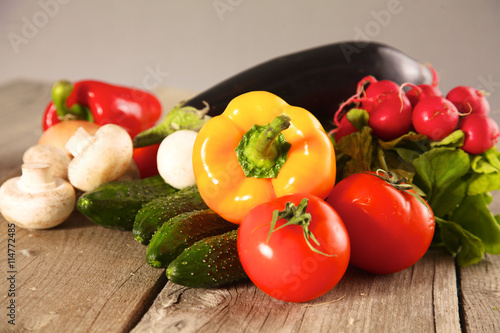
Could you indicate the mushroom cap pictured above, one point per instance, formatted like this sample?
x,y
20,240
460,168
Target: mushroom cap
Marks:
x,y
105,157
41,210
57,157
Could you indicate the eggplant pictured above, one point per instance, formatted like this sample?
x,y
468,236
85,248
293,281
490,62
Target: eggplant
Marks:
x,y
318,79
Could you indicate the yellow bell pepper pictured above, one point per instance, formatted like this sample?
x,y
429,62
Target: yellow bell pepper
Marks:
x,y
258,149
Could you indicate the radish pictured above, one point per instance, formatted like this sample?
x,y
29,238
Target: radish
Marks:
x,y
469,100
481,133
378,88
345,128
389,110
435,117
390,117
359,99
374,90
360,89
422,91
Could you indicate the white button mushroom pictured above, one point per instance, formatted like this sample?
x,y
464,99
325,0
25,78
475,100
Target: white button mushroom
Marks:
x,y
100,158
57,157
175,159
36,199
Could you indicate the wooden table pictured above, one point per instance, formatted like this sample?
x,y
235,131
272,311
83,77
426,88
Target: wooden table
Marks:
x,y
80,277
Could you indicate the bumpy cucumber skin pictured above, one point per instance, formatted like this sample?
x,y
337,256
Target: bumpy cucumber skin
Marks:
x,y
115,204
208,263
158,211
182,231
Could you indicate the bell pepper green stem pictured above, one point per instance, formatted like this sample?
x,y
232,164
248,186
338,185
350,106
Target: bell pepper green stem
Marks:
x,y
265,144
296,215
60,93
263,149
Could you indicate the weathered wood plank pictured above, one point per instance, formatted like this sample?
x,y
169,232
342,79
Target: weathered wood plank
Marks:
x,y
22,106
419,299
445,294
480,295
77,277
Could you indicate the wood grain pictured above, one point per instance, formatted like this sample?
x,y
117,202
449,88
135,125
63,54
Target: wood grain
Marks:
x,y
403,302
480,295
78,277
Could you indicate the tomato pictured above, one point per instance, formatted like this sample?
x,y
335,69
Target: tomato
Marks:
x,y
145,157
389,228
282,263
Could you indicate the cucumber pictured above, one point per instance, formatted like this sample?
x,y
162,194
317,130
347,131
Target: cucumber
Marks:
x,y
182,231
115,204
208,263
158,211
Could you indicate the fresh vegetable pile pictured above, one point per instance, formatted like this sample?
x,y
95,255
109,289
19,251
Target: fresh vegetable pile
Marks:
x,y
252,186
445,146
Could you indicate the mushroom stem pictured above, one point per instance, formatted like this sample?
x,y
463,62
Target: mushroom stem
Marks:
x,y
36,177
58,158
78,141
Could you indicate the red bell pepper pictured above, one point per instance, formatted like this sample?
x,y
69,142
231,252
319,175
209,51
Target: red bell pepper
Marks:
x,y
134,110
103,103
146,160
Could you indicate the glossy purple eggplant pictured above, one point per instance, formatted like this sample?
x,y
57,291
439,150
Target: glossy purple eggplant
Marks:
x,y
318,79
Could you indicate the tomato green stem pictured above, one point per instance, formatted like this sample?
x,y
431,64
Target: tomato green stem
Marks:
x,y
391,179
399,184
296,215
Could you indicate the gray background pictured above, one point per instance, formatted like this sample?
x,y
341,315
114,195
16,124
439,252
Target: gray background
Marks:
x,y
194,44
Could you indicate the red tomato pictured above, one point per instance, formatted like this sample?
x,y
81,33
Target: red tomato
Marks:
x,y
389,229
284,266
145,157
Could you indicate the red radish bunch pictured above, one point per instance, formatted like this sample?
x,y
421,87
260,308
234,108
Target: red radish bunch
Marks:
x,y
424,109
388,106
